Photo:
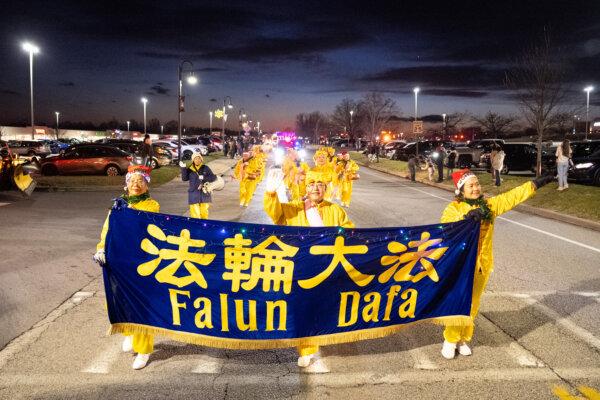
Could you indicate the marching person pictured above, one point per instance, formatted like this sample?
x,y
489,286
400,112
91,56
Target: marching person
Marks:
x,y
347,172
314,211
294,173
323,166
247,171
138,198
200,177
470,203
563,158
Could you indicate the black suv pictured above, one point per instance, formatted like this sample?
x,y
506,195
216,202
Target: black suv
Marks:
x,y
425,149
518,157
586,160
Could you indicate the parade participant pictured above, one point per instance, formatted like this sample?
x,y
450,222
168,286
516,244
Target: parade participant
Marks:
x,y
138,198
314,211
201,179
294,173
347,172
323,166
470,203
261,158
247,170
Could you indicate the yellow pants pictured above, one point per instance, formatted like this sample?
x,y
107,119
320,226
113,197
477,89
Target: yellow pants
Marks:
x,y
247,188
455,334
199,210
307,350
142,343
346,188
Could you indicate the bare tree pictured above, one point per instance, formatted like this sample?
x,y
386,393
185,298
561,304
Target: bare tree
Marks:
x,y
377,111
311,124
561,123
493,124
342,119
537,80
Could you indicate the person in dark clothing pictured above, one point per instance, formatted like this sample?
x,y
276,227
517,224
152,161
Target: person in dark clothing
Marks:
x,y
200,177
240,146
232,148
439,162
147,151
225,147
412,167
451,163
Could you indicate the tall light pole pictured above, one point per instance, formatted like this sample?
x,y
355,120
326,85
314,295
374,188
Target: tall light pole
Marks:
x,y
351,114
145,101
162,129
416,91
443,126
192,80
31,49
241,116
226,103
210,115
128,122
587,110
258,126
57,115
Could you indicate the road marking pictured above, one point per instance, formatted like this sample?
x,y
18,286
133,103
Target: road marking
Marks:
x,y
585,246
102,363
78,297
4,204
208,365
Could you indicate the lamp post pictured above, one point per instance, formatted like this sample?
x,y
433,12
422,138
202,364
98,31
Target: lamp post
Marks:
x,y
416,91
210,115
258,126
226,103
128,123
587,110
443,126
192,80
162,129
31,49
241,116
57,116
145,101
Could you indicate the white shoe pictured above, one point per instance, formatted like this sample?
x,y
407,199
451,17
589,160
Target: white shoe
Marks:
x,y
140,361
317,366
304,361
449,350
127,345
464,349
560,189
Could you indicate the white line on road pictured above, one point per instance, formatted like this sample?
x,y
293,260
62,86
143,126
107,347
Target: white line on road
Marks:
x,y
102,363
4,204
208,365
585,246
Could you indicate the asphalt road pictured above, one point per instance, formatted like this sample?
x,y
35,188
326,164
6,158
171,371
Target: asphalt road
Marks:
x,y
539,325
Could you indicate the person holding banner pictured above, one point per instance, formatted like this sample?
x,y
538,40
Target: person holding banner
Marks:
x,y
138,198
314,211
470,203
202,182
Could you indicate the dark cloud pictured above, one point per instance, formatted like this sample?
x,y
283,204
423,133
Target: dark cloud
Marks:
x,y
213,100
66,84
9,92
268,96
158,89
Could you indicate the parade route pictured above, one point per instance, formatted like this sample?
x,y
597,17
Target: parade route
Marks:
x,y
539,324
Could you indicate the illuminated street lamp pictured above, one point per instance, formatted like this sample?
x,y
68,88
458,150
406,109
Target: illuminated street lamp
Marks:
x,y
192,80
587,110
226,103
162,129
443,126
57,115
145,101
31,49
210,116
416,91
128,122
241,116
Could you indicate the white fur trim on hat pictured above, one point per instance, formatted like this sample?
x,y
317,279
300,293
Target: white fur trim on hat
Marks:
x,y
463,179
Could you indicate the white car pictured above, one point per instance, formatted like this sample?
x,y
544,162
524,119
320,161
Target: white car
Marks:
x,y
186,149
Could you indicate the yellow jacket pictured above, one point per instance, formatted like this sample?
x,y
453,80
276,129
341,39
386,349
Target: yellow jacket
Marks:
x,y
149,205
252,167
292,214
346,170
499,204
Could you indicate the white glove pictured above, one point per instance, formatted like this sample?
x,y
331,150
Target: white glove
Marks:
x,y
182,164
274,180
100,257
207,187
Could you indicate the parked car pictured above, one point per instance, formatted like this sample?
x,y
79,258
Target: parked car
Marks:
x,y
586,162
425,148
518,157
202,140
186,149
390,148
29,148
88,159
472,154
162,155
55,146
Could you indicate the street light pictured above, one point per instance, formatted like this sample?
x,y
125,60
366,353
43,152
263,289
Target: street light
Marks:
x,y
258,126
31,49
210,115
241,116
226,103
587,110
416,90
128,122
192,80
145,101
162,129
57,115
443,125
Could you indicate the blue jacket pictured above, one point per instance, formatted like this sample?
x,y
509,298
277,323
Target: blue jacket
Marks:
x,y
197,178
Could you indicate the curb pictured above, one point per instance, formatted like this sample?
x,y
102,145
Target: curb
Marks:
x,y
542,212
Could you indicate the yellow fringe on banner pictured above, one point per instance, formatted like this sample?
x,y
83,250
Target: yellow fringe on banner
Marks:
x,y
257,344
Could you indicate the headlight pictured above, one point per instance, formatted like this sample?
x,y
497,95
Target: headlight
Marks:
x,y
435,154
302,154
279,154
584,165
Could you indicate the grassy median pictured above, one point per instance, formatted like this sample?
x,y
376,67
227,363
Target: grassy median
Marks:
x,y
158,176
581,201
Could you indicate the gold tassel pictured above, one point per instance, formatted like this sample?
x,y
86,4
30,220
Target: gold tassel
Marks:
x,y
253,344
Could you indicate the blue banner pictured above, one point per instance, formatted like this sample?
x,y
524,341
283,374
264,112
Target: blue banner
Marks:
x,y
238,285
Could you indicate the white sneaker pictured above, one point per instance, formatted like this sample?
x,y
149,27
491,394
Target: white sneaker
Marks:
x,y
304,361
449,350
464,349
140,361
317,366
560,189
127,345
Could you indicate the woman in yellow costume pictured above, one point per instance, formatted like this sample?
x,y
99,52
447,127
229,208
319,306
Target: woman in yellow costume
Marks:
x,y
314,211
294,173
470,203
323,166
261,158
346,172
137,197
247,171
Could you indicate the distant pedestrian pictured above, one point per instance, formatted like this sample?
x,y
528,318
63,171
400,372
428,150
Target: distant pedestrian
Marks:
x,y
412,167
147,152
497,160
430,169
439,162
232,148
563,158
451,161
225,147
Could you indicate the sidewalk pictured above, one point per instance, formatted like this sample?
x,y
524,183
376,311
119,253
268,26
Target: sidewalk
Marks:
x,y
545,213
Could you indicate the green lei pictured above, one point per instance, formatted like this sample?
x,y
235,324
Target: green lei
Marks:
x,y
483,205
136,199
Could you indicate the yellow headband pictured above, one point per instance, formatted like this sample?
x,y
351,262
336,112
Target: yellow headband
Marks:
x,y
312,177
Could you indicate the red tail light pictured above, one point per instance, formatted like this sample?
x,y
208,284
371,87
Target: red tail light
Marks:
x,y
129,158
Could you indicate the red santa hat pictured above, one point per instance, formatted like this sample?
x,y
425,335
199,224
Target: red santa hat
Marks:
x,y
138,169
461,177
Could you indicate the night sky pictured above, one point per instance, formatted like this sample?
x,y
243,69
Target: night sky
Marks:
x,y
277,59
